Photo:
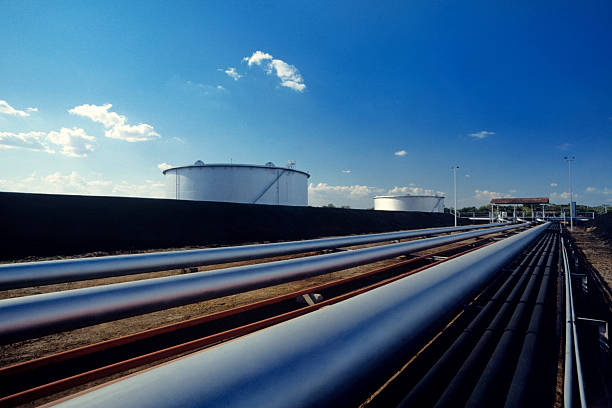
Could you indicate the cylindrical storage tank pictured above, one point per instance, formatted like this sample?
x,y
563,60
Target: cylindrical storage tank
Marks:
x,y
410,203
238,183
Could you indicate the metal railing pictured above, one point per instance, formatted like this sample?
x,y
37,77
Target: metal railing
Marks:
x,y
571,341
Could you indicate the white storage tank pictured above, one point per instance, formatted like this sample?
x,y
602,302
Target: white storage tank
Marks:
x,y
238,183
410,203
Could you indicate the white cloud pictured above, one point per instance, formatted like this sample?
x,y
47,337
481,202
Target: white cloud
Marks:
x,y
355,196
29,140
257,58
400,153
9,110
561,196
355,190
135,133
164,166
74,183
485,196
414,191
231,72
347,171
99,114
74,142
553,184
117,127
32,109
288,74
482,134
205,89
468,176
512,190
604,191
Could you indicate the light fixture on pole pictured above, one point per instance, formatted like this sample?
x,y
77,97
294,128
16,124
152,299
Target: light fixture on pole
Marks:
x,y
454,168
569,160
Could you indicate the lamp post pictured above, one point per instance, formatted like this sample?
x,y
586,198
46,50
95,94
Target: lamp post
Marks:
x,y
454,168
569,160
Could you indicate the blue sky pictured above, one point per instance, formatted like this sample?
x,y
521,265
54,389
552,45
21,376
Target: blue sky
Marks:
x,y
368,99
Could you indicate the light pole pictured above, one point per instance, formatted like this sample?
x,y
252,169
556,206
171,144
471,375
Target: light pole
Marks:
x,y
569,160
455,186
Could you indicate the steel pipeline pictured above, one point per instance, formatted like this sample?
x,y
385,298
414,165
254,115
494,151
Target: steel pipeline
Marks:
x,y
325,358
37,315
18,275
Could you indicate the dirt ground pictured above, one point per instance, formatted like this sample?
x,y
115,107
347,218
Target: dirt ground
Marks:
x,y
598,251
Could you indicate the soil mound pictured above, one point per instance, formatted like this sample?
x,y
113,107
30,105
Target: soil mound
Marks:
x,y
602,226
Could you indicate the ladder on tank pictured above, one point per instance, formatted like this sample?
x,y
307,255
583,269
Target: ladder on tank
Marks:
x,y
268,187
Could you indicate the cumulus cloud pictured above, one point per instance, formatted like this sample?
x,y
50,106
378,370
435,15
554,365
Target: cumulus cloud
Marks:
x,y
288,74
135,133
564,196
99,114
485,196
71,142
482,134
231,72
74,142
400,153
75,183
257,58
553,184
356,196
347,171
164,166
411,190
28,140
116,124
595,190
355,190
9,110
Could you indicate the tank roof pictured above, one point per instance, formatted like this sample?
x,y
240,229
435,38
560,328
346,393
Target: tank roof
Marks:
x,y
409,195
235,165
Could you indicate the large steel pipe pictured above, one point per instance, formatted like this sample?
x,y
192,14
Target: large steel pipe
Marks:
x,y
325,358
26,274
37,315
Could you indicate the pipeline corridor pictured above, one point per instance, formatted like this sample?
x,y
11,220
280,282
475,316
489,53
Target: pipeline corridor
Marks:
x,y
501,352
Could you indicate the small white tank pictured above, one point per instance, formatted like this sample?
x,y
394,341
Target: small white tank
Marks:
x,y
410,203
238,183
